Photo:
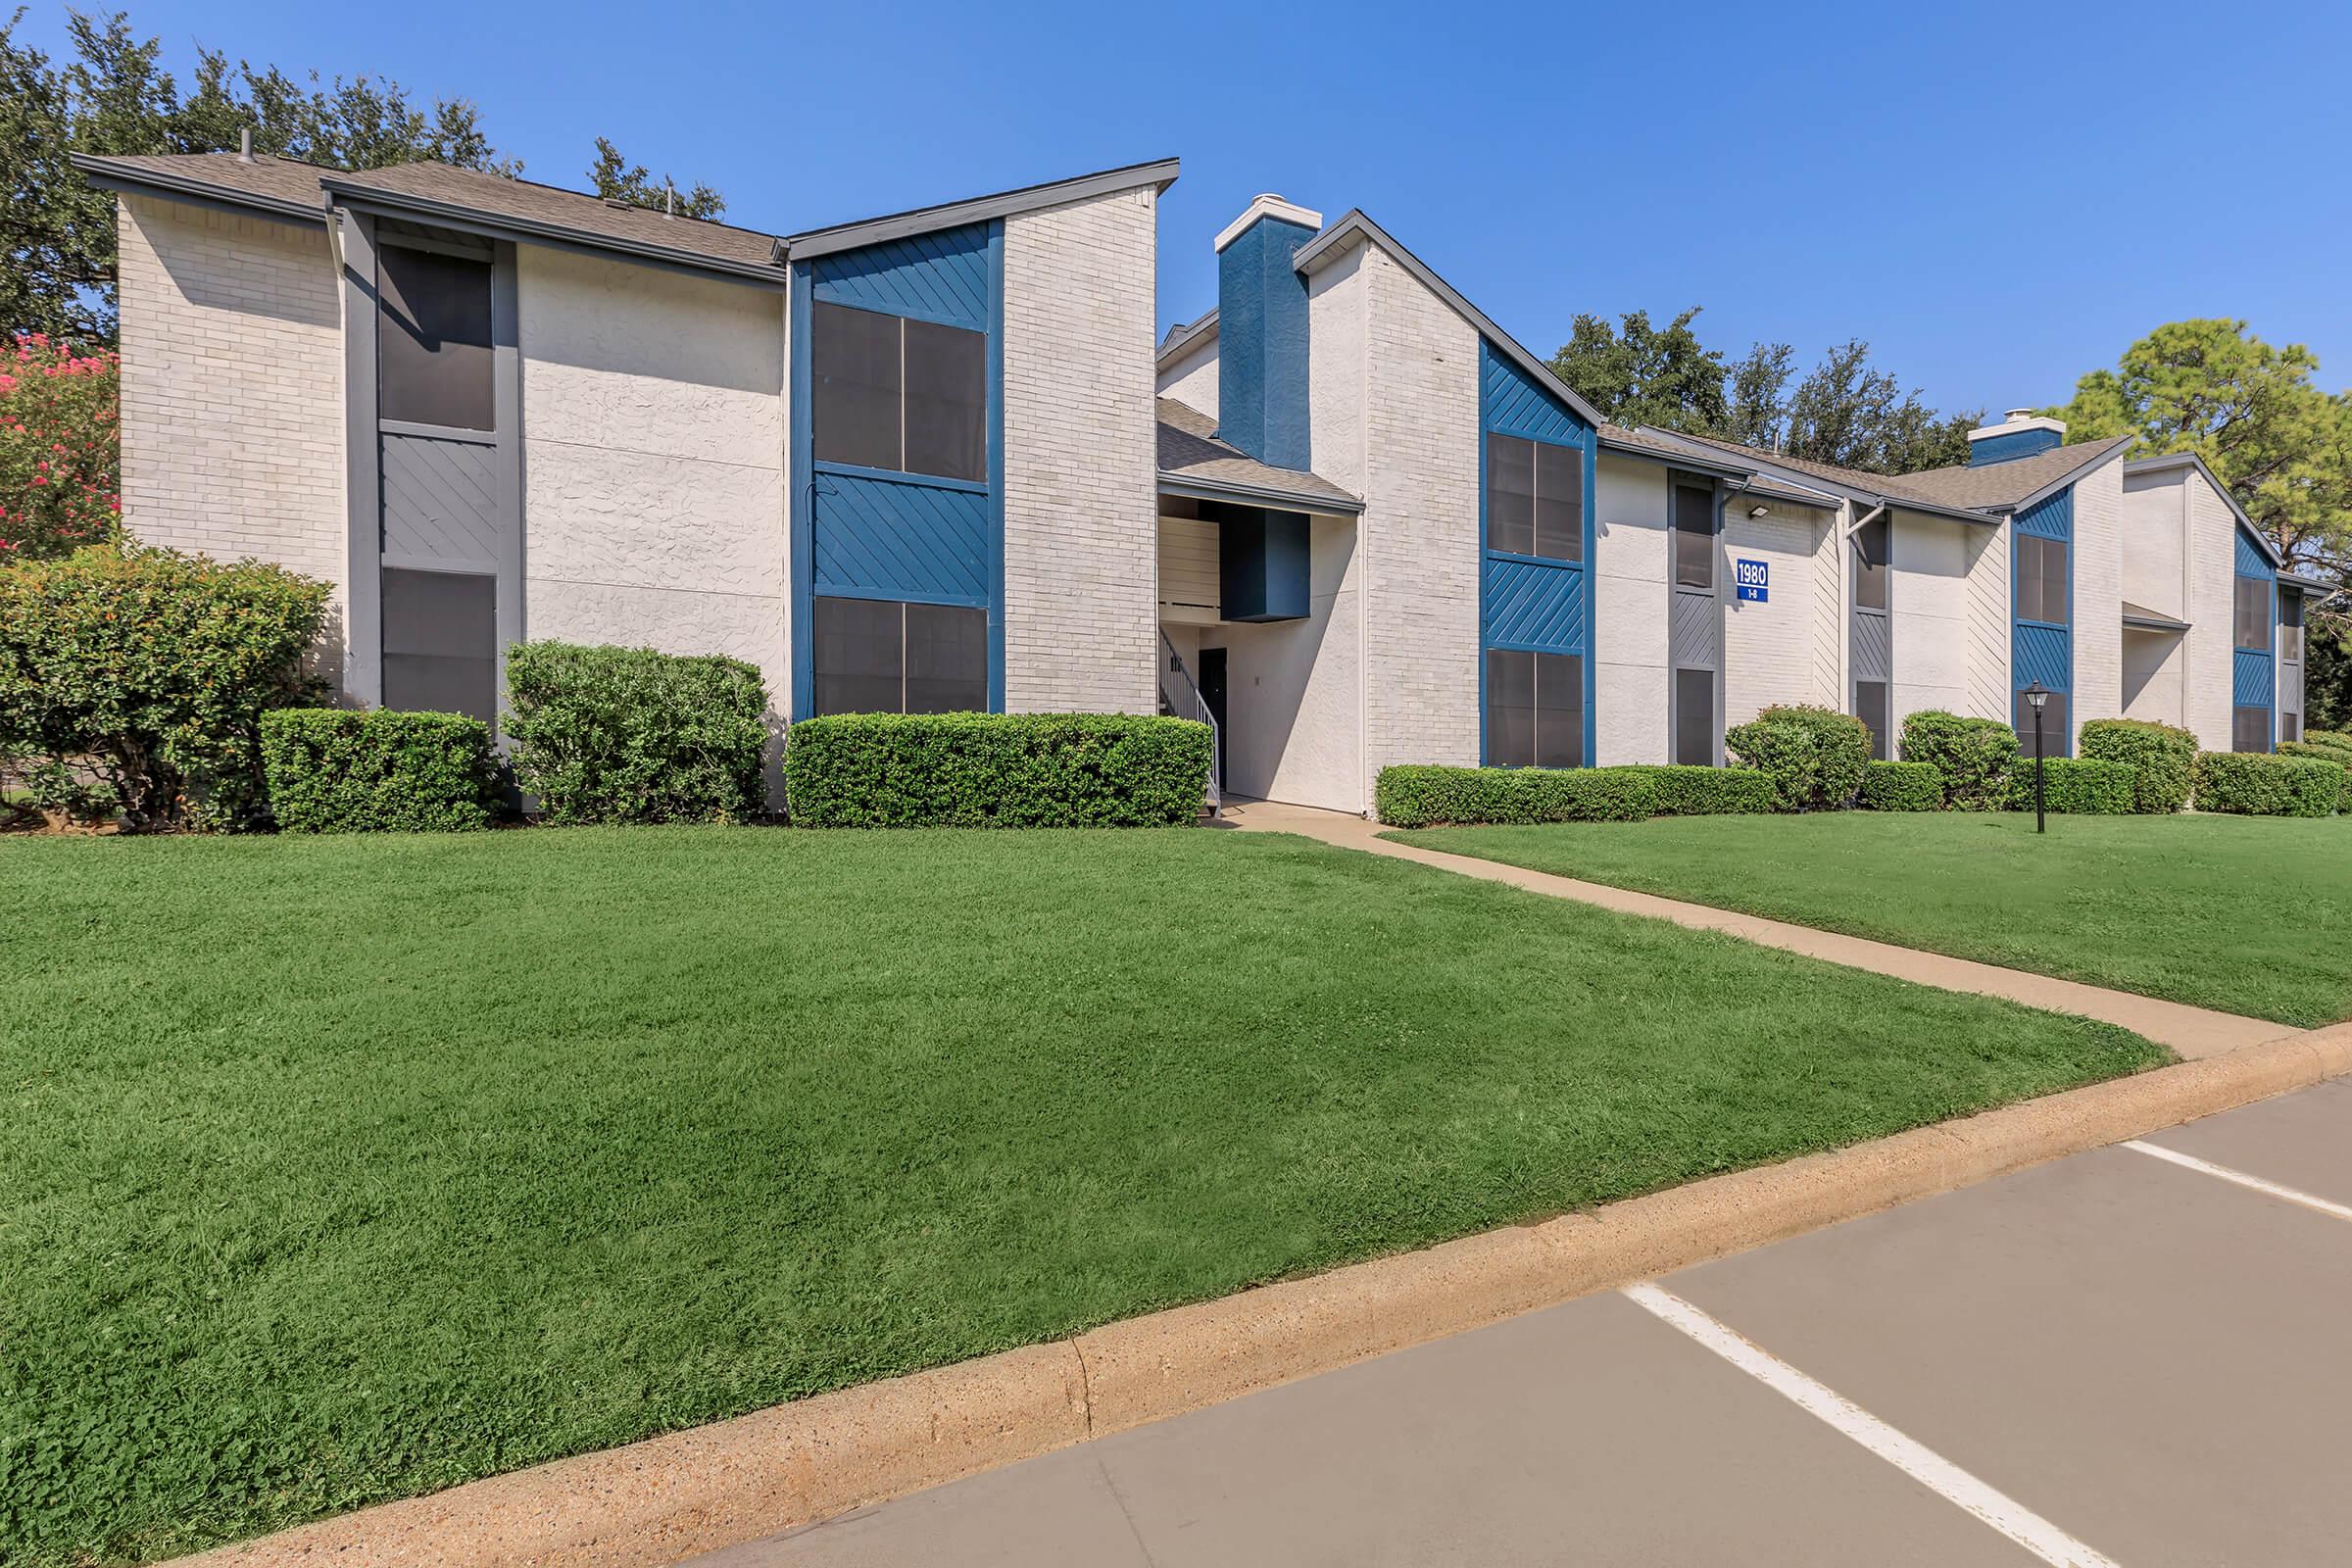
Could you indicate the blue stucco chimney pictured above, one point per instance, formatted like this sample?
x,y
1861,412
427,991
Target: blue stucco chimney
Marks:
x,y
2020,434
1262,332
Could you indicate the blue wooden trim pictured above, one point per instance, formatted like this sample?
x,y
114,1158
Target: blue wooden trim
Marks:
x,y
1591,596
803,480
996,468
1536,560
928,481
2052,519
940,276
897,596
934,317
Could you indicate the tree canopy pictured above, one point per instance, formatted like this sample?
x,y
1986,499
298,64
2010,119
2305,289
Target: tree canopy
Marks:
x,y
616,179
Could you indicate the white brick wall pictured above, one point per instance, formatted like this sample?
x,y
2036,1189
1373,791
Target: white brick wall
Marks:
x,y
2208,676
1081,457
1768,650
1421,523
233,390
1629,629
2099,559
1929,596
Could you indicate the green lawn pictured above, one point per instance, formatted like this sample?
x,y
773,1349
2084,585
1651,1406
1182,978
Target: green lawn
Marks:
x,y
2248,915
338,1170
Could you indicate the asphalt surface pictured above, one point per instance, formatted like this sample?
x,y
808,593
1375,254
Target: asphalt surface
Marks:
x,y
2111,1358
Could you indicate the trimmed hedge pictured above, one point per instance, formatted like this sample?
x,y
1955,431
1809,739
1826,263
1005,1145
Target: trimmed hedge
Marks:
x,y
2164,758
1687,789
629,735
1460,797
2075,786
2326,737
1902,787
996,771
2340,755
2264,784
1814,755
334,770
1971,757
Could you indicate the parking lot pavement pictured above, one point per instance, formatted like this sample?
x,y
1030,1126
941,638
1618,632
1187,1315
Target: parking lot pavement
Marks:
x,y
2113,1359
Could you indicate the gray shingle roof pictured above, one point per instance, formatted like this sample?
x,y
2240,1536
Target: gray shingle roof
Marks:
x,y
1191,453
1992,487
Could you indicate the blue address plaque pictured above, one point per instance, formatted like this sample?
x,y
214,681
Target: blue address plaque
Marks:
x,y
1754,579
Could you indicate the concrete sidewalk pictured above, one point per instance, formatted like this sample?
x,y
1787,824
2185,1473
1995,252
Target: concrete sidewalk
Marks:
x,y
2191,1032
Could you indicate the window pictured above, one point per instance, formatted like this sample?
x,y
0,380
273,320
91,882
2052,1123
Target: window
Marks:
x,y
432,338
2290,629
2053,724
1534,709
1534,498
877,656
1694,536
2254,613
441,642
1694,726
2249,729
889,393
1870,706
2041,589
1870,564
2290,726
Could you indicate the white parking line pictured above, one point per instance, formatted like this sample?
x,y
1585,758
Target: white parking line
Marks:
x,y
1922,1464
2289,1194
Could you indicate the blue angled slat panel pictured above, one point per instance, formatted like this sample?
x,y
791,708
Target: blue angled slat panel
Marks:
x,y
2250,678
1528,605
2052,517
2016,444
1516,404
940,278
2252,562
880,538
2042,653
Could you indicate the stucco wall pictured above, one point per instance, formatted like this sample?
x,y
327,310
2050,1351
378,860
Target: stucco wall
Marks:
x,y
1293,689
1420,541
233,390
2098,593
2206,676
1768,651
1081,539
1929,597
1191,379
653,420
1630,555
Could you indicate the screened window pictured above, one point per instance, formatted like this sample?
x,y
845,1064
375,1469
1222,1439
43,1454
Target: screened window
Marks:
x,y
2290,726
1534,498
1694,727
2249,729
1870,564
1534,709
1870,706
889,393
432,338
2254,612
2290,628
2041,580
2053,724
441,642
878,656
1694,536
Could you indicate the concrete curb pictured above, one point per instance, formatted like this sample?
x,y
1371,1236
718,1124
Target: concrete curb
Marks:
x,y
668,1498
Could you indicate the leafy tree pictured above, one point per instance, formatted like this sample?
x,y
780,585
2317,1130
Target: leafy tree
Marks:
x,y
60,467
115,97
1757,412
1643,375
616,179
1845,412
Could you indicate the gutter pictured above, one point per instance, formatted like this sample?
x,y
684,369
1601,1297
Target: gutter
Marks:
x,y
107,174
499,227
1177,483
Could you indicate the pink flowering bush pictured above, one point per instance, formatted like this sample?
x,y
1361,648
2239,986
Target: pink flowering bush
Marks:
x,y
61,456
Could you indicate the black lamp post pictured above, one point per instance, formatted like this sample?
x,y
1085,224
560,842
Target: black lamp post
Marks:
x,y
2035,695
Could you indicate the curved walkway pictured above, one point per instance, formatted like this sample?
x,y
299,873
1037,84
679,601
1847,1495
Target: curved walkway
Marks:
x,y
2191,1032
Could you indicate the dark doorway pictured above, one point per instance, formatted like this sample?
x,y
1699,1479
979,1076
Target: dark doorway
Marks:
x,y
1212,692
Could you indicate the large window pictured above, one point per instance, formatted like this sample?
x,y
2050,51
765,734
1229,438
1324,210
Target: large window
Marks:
x,y
2254,613
1870,707
441,642
890,393
1870,564
2249,729
1693,536
878,656
1534,498
1534,709
1694,727
433,339
2053,724
2041,580
2290,628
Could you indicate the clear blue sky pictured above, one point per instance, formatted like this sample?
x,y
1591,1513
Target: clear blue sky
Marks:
x,y
1999,197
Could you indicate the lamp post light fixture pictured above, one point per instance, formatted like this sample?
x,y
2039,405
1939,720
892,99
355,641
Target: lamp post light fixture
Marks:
x,y
2035,695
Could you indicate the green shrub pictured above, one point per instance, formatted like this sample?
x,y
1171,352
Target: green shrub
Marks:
x,y
996,771
334,771
630,735
2263,784
1902,787
2075,786
2328,737
1971,757
1434,797
2340,755
1814,755
1685,789
2164,758
139,679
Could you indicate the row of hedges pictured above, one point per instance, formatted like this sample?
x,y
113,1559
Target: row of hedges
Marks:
x,y
997,771
2265,784
2077,786
1462,797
